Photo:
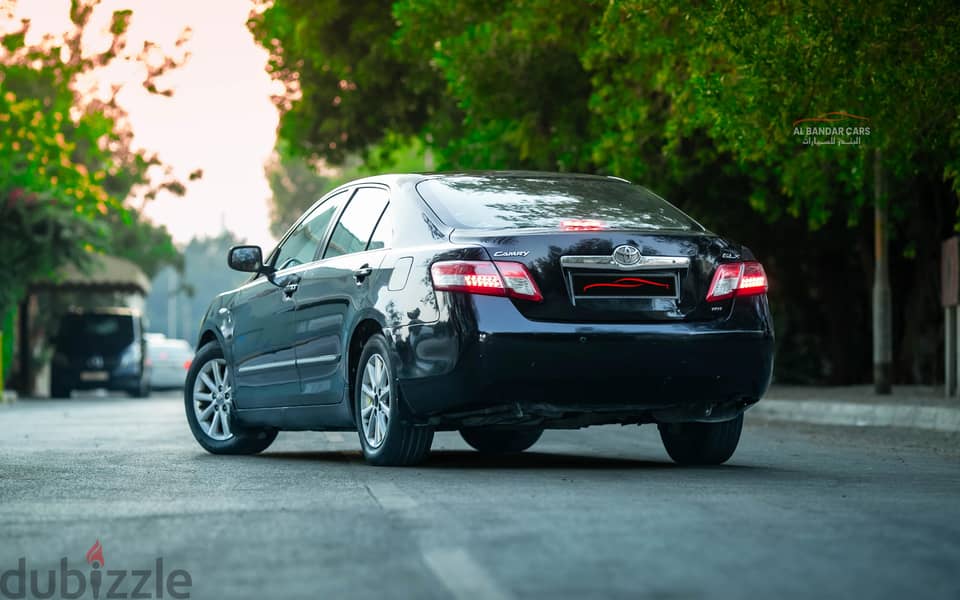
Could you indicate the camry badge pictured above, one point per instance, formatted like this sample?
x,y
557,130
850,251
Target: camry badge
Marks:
x,y
500,253
626,255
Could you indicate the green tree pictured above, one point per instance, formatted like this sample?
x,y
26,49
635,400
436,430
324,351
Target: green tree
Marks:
x,y
66,161
353,88
743,76
295,185
698,101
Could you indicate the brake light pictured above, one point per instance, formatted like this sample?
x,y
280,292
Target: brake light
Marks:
x,y
484,277
737,279
753,280
582,225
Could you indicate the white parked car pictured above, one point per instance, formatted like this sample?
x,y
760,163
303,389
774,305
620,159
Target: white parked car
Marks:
x,y
170,359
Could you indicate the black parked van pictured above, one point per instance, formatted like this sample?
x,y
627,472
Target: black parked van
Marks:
x,y
100,348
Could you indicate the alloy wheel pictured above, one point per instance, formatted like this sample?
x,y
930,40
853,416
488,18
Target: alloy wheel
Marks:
x,y
375,401
213,399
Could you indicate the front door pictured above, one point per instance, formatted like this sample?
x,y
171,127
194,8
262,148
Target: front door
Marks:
x,y
266,324
264,359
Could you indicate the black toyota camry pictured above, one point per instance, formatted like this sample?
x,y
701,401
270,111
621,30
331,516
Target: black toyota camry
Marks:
x,y
496,304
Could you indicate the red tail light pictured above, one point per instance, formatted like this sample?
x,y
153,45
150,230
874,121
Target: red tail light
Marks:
x,y
737,279
582,225
500,278
186,364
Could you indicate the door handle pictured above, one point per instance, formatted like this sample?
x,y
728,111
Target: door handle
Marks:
x,y
362,273
291,285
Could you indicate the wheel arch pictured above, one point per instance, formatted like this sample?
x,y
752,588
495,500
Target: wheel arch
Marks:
x,y
210,333
366,327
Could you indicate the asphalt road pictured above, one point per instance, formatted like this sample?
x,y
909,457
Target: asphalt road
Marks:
x,y
799,512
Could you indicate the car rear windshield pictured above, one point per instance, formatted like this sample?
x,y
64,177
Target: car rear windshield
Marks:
x,y
508,202
99,333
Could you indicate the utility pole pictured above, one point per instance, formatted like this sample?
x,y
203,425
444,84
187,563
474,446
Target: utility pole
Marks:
x,y
882,326
171,303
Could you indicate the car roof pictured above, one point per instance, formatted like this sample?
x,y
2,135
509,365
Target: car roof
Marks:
x,y
392,179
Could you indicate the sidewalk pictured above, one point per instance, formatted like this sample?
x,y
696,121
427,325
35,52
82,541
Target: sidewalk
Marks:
x,y
921,407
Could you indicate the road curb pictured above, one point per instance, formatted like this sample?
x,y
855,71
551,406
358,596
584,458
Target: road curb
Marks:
x,y
817,412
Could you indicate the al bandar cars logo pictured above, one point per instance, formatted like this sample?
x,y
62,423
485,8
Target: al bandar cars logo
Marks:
x,y
836,128
99,582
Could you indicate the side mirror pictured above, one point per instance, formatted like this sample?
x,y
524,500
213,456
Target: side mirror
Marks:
x,y
248,259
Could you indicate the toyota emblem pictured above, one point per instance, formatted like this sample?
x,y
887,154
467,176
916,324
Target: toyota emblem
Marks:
x,y
626,255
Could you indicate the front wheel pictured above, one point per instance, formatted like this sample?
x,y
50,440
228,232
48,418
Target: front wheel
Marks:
x,y
701,443
208,398
500,441
387,438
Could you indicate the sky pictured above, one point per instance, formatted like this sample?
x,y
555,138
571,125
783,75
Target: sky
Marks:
x,y
220,118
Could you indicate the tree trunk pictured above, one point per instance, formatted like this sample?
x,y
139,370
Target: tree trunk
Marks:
x,y
882,324
24,353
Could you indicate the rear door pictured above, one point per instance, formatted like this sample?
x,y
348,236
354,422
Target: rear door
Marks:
x,y
334,290
265,316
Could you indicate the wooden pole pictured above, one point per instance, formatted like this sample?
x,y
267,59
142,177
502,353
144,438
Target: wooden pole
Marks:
x,y
950,350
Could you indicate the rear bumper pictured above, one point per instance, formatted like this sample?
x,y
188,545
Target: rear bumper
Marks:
x,y
506,369
118,381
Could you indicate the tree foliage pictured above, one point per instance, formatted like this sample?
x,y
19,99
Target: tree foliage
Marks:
x,y
620,87
697,100
295,185
66,161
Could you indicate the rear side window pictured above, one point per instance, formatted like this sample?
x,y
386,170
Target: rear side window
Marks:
x,y
357,222
383,234
494,202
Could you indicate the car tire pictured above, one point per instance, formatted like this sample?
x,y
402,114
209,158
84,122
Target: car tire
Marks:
x,y
387,436
218,438
500,441
701,443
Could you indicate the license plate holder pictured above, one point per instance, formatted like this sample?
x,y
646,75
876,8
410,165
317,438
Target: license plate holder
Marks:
x,y
621,286
94,376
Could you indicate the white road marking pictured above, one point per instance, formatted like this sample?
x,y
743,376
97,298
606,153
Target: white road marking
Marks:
x,y
389,496
462,575
333,436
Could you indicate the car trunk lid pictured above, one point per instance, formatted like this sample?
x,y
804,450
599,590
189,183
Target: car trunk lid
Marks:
x,y
614,275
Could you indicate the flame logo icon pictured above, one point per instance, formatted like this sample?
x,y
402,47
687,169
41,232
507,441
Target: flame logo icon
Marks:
x,y
95,555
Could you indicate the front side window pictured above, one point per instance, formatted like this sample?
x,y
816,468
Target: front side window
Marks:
x,y
356,224
301,245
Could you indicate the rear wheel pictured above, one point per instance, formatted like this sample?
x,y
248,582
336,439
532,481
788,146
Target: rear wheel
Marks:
x,y
208,398
501,441
387,438
701,443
